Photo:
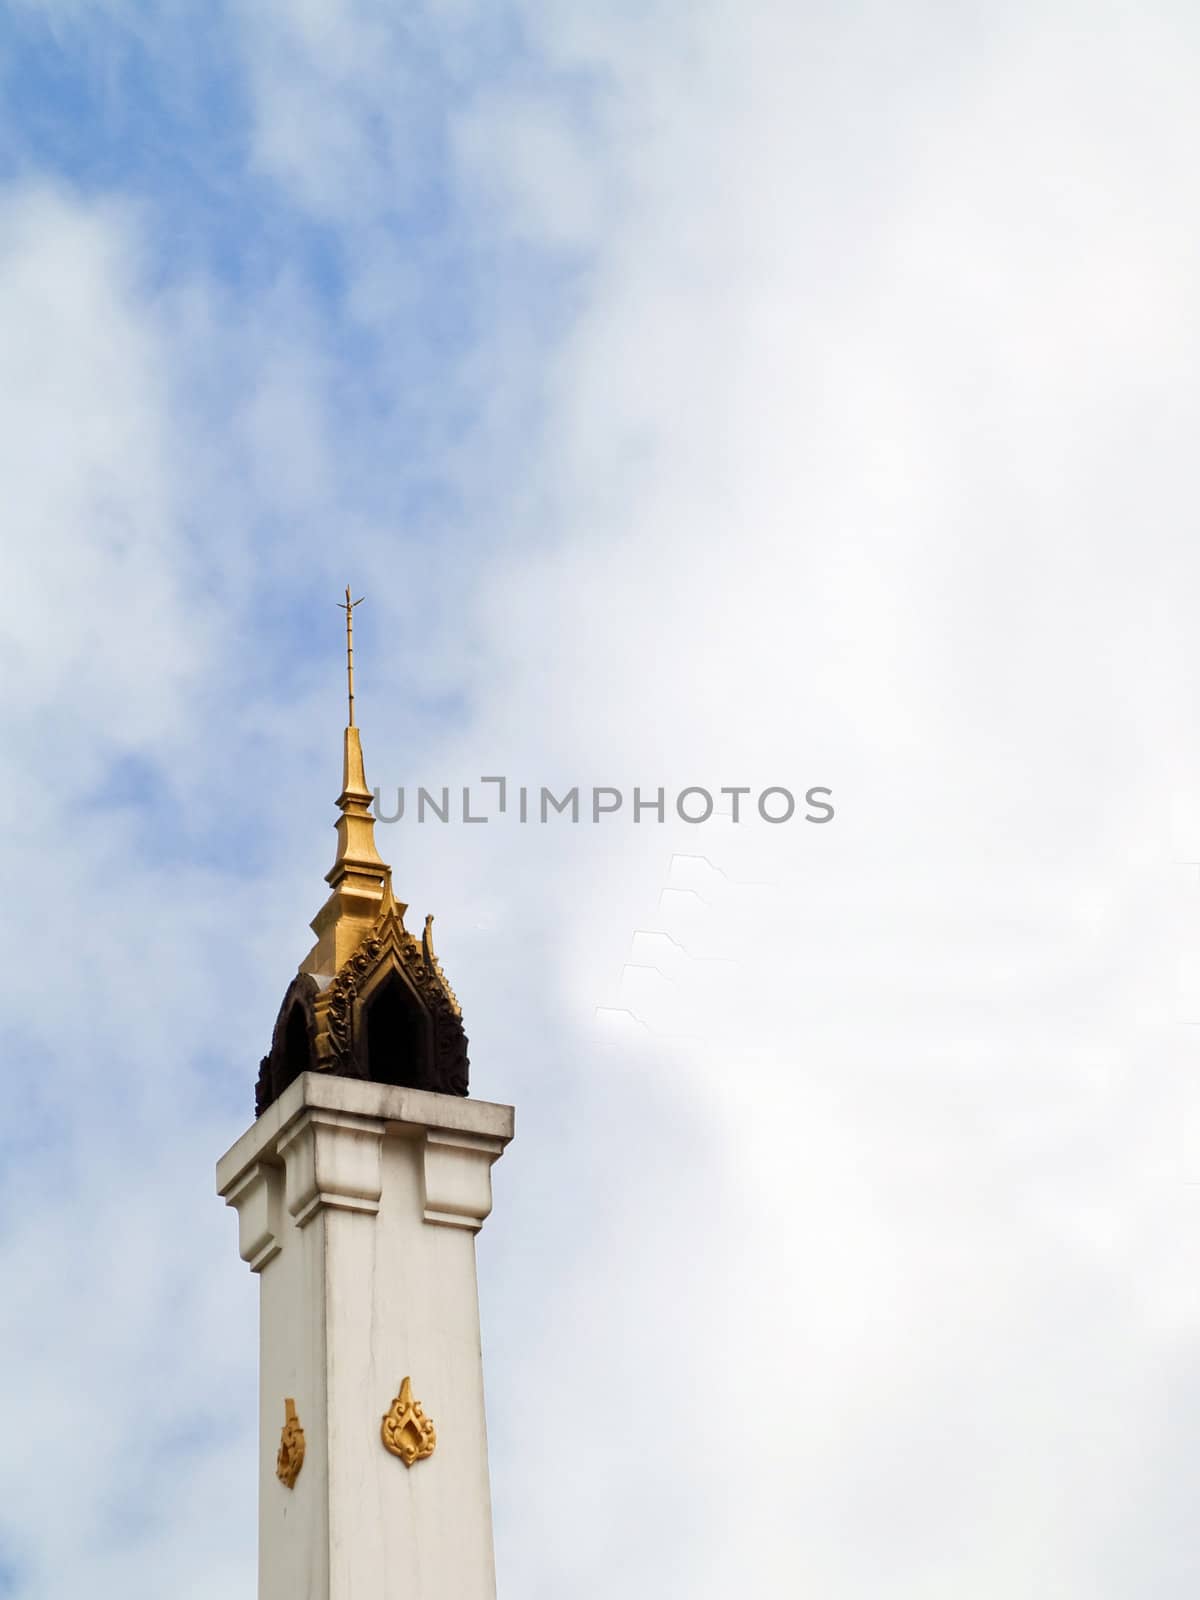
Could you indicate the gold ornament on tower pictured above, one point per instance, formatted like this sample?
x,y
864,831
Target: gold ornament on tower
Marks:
x,y
407,1432
291,1447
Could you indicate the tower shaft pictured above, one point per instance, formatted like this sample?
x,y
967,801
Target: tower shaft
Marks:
x,y
358,1205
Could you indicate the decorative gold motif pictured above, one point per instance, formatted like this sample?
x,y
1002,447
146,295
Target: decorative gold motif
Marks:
x,y
435,966
291,1447
407,1432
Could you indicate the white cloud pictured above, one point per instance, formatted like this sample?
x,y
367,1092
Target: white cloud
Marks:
x,y
847,469
861,459
82,454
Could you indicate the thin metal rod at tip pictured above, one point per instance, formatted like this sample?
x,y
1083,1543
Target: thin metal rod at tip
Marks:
x,y
348,608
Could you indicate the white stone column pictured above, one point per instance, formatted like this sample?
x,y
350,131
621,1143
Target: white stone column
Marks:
x,y
357,1206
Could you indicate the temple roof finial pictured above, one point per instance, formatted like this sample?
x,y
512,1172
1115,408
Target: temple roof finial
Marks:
x,y
370,999
359,873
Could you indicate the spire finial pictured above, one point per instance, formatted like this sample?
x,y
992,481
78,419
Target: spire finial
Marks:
x,y
359,875
348,606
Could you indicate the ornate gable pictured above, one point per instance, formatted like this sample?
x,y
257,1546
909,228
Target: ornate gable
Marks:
x,y
388,1016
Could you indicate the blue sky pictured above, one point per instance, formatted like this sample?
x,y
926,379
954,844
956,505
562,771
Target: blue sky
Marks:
x,y
721,394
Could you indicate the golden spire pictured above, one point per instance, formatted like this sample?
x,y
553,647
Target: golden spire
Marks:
x,y
359,876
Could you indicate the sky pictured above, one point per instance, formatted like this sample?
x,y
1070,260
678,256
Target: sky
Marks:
x,y
770,394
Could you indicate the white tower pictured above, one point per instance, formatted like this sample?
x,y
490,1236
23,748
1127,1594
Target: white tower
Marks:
x,y
359,1190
